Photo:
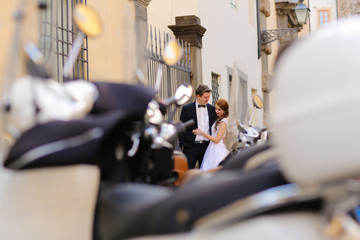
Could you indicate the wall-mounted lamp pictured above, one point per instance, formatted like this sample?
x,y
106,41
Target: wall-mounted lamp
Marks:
x,y
301,12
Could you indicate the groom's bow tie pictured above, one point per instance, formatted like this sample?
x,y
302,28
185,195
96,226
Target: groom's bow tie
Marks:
x,y
199,106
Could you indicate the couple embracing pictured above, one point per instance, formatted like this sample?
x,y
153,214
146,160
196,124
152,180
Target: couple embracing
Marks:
x,y
204,142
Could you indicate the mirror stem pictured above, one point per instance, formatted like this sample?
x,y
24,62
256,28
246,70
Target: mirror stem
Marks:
x,y
169,101
252,115
158,78
140,76
73,54
171,116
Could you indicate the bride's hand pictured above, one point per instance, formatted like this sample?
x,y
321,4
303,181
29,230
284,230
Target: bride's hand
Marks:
x,y
198,132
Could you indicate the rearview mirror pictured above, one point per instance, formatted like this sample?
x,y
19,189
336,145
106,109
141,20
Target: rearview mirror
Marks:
x,y
258,102
173,52
88,22
183,94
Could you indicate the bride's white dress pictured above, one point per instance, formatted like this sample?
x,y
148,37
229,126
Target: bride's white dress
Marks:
x,y
215,153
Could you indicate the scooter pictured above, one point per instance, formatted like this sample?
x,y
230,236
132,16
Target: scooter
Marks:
x,y
242,136
249,135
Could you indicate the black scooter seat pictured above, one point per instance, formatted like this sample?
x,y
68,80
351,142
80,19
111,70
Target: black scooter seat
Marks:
x,y
140,210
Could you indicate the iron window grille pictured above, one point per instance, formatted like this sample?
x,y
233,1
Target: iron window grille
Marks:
x,y
57,35
215,87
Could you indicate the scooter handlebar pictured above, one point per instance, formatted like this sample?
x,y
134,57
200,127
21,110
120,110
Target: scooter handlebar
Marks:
x,y
181,127
188,123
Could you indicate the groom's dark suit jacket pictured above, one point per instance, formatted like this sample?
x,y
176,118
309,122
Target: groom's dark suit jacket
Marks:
x,y
189,112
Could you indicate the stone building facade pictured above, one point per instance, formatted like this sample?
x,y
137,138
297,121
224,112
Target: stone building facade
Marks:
x,y
348,7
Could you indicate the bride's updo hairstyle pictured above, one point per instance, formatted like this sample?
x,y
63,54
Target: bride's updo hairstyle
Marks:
x,y
223,104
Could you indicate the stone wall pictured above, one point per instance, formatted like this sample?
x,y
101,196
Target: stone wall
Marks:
x,y
348,7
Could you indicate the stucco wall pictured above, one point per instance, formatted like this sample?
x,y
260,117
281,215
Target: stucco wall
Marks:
x,y
6,31
28,32
107,52
162,13
348,7
230,36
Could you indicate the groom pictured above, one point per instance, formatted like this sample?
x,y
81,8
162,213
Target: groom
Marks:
x,y
194,146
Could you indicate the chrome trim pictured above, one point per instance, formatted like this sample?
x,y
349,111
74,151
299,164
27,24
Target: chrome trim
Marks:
x,y
250,206
57,146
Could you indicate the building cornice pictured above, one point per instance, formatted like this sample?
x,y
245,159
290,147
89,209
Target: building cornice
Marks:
x,y
188,28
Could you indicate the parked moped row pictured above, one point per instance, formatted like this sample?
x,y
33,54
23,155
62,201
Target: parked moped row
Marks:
x,y
95,166
106,174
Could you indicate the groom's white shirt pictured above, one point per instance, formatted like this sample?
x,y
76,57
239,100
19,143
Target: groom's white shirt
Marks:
x,y
202,116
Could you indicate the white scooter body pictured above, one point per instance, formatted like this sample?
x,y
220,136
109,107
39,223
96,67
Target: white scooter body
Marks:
x,y
48,203
294,226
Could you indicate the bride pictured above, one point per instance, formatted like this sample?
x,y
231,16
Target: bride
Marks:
x,y
216,151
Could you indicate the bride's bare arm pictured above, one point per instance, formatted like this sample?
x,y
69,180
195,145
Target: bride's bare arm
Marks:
x,y
220,134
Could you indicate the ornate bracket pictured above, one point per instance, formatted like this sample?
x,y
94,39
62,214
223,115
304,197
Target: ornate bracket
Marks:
x,y
145,3
268,36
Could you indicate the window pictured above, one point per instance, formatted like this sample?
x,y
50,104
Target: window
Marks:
x,y
243,98
229,86
323,17
57,35
215,87
229,74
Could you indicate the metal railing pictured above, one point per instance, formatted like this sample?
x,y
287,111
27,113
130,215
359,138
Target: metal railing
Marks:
x,y
173,76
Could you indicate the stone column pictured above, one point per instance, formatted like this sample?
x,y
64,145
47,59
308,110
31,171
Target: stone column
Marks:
x,y
141,31
347,8
264,8
188,28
